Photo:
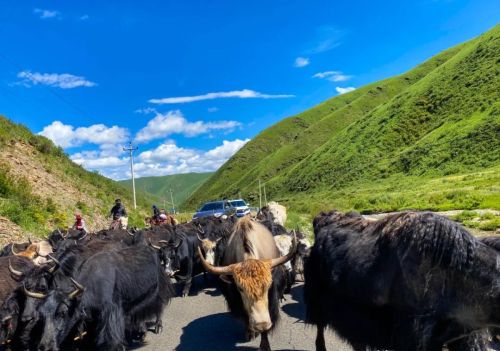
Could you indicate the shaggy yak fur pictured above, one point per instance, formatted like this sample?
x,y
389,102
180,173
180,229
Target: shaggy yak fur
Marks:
x,y
409,282
122,290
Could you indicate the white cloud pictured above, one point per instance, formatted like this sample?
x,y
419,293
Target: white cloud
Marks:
x,y
212,109
63,81
146,110
168,152
241,94
84,18
327,38
333,76
167,158
68,136
341,90
44,14
301,62
173,122
227,149
92,160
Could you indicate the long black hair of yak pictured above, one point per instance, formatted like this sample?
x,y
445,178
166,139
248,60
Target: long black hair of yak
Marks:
x,y
445,242
442,242
138,277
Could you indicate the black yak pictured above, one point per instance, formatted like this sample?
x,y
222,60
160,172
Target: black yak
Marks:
x,y
411,281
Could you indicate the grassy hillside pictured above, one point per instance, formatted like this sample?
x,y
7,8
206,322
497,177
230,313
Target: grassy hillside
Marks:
x,y
157,189
40,187
426,139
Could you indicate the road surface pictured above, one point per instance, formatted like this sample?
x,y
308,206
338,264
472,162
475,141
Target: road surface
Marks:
x,y
201,322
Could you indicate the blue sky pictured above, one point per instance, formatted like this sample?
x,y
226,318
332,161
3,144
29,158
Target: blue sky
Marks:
x,y
191,81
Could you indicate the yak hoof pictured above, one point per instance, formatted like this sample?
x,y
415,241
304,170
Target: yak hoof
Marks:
x,y
158,327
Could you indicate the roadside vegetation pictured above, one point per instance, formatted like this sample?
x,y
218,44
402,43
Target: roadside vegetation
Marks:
x,y
38,214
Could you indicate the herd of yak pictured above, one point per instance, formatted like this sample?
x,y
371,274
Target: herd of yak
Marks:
x,y
412,281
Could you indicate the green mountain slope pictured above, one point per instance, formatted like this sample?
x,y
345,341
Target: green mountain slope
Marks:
x,y
158,188
40,187
405,142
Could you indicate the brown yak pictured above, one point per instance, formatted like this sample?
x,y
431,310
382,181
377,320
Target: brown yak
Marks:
x,y
253,261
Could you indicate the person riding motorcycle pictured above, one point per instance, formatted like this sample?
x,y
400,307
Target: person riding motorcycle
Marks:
x,y
156,213
163,214
79,223
118,213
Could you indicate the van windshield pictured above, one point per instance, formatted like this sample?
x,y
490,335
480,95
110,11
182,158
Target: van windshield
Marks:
x,y
238,203
212,206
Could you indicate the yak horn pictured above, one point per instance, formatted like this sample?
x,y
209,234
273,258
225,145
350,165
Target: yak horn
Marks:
x,y
29,240
52,269
34,295
7,318
227,270
79,337
199,238
56,261
79,289
13,252
200,229
283,259
14,271
154,246
129,233
163,241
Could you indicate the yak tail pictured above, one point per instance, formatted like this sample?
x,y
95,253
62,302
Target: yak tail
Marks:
x,y
111,328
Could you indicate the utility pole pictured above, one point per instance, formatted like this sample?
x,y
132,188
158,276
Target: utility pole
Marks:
x,y
172,198
260,196
265,196
131,149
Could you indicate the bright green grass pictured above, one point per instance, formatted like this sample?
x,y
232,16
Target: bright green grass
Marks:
x,y
427,139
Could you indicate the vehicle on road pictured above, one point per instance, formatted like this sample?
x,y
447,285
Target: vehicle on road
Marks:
x,y
214,208
242,208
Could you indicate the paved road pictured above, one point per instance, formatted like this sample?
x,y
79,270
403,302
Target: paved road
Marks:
x,y
201,322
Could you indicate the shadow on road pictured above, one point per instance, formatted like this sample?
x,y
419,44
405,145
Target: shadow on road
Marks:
x,y
295,309
215,332
199,284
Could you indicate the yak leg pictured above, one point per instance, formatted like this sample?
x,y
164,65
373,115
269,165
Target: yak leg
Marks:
x,y
264,342
189,278
158,324
320,338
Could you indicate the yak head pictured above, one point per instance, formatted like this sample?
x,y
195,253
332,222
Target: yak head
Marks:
x,y
31,251
168,255
59,311
208,247
253,278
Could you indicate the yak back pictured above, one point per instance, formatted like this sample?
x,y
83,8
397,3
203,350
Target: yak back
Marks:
x,y
249,240
445,242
